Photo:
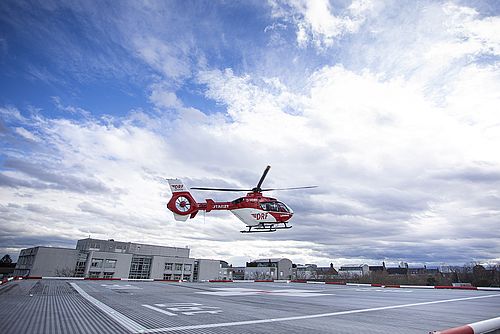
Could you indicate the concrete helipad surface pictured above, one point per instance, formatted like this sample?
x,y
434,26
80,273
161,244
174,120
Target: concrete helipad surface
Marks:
x,y
57,306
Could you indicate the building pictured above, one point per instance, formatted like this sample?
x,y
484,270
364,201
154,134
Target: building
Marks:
x,y
97,258
110,258
397,271
417,269
327,273
305,271
226,271
313,272
432,270
353,270
46,261
238,273
268,269
205,270
377,269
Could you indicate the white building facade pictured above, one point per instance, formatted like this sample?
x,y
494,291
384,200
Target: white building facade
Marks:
x,y
95,258
353,270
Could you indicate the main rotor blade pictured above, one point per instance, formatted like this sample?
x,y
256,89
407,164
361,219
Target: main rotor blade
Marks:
x,y
219,189
293,188
262,178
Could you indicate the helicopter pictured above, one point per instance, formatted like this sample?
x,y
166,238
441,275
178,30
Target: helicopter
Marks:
x,y
258,212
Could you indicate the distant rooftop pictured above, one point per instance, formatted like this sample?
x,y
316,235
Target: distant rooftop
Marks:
x,y
271,259
353,265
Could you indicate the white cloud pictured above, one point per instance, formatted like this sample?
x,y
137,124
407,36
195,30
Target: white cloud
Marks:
x,y
426,42
317,24
462,36
26,134
70,109
11,113
162,97
168,59
476,34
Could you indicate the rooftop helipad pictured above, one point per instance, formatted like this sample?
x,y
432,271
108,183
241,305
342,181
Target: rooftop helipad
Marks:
x,y
59,306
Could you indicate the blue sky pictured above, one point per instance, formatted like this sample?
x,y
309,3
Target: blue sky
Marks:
x,y
390,107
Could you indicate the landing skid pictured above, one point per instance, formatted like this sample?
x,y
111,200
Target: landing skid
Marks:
x,y
265,228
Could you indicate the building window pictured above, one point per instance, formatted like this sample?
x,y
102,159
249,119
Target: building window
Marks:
x,y
108,275
178,266
187,267
168,266
96,263
195,271
140,267
167,277
94,274
80,268
177,277
187,277
110,263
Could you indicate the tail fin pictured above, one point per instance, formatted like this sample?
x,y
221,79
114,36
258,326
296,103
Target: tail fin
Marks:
x,y
176,185
182,204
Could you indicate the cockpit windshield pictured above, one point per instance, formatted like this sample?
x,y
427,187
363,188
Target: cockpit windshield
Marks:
x,y
275,206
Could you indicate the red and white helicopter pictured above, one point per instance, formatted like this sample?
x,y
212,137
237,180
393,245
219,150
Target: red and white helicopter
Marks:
x,y
259,213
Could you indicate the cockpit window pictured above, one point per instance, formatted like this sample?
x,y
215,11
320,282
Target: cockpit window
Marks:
x,y
288,209
274,206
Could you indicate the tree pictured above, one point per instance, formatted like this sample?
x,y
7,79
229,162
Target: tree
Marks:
x,y
431,280
481,276
6,259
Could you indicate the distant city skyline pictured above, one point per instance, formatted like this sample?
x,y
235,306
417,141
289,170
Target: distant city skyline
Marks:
x,y
390,107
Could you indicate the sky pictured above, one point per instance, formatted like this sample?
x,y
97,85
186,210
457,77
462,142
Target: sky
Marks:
x,y
390,107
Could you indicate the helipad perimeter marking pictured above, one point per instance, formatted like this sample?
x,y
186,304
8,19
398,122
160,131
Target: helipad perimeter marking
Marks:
x,y
126,322
312,316
384,290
